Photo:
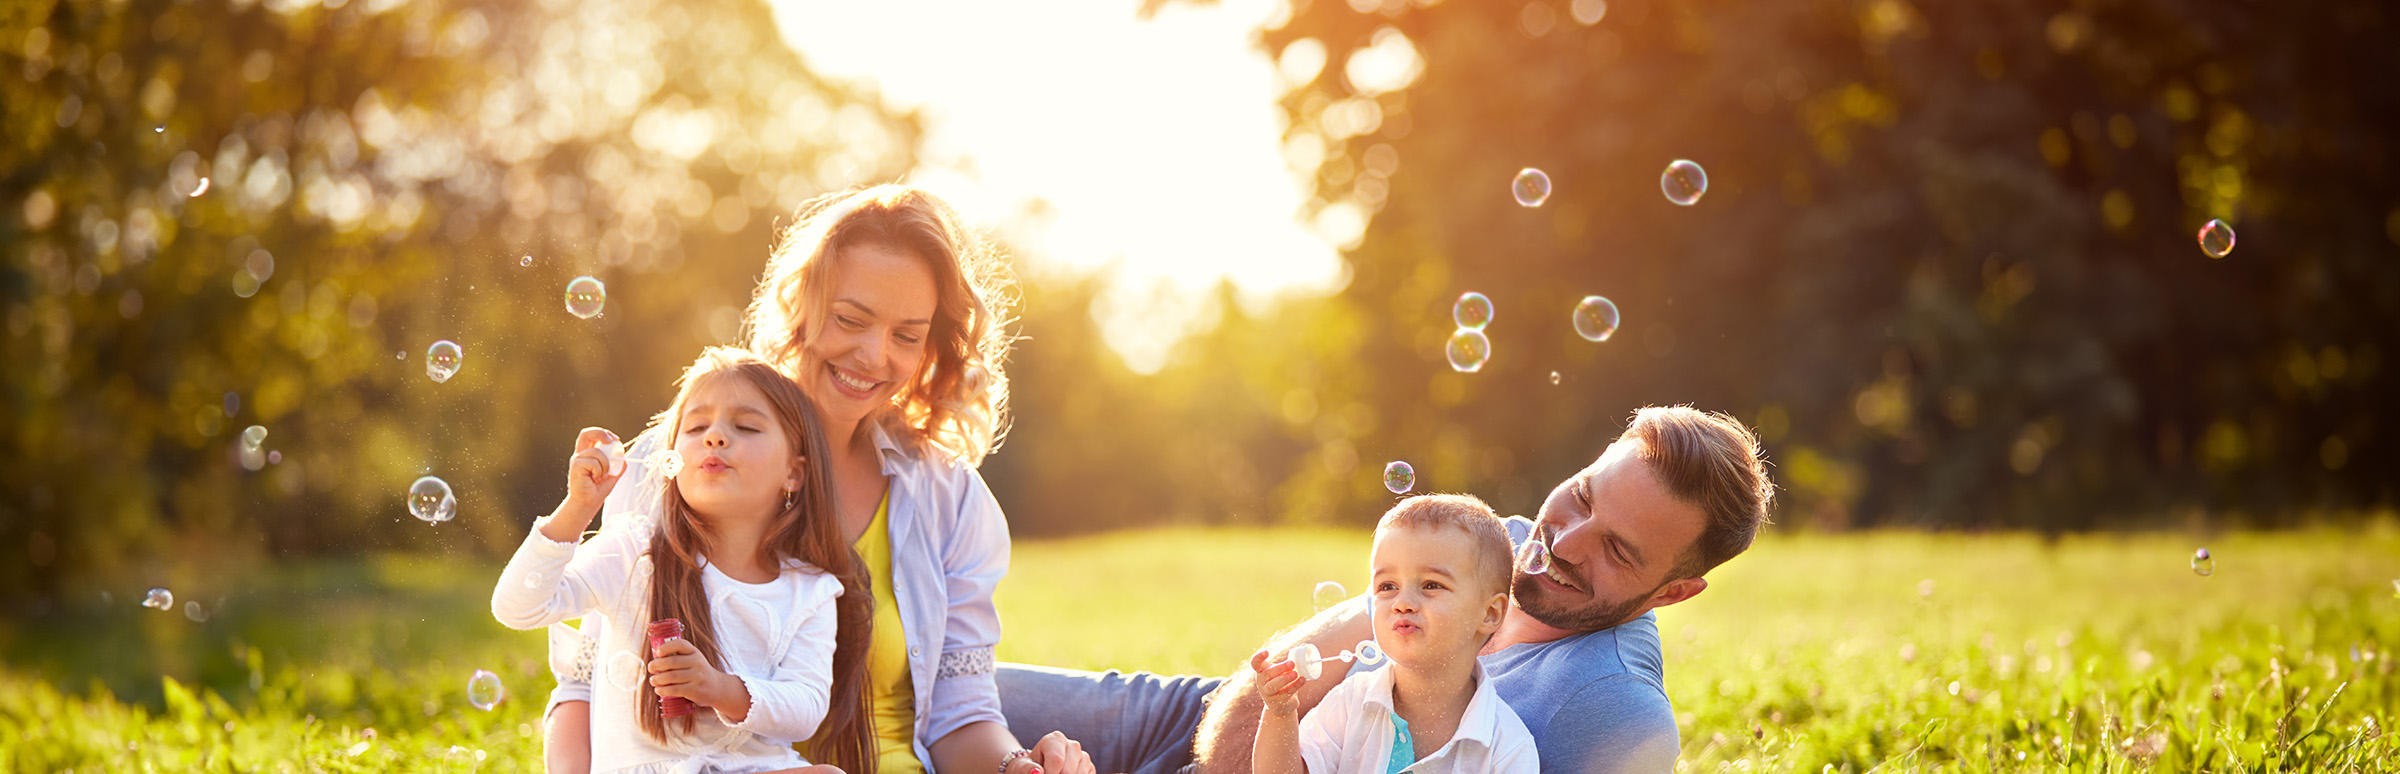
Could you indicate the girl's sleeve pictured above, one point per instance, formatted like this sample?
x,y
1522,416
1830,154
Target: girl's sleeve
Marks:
x,y
974,558
548,581
790,708
636,493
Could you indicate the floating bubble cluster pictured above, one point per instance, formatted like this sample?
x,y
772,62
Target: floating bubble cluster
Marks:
x,y
1468,350
1533,558
624,670
1328,594
586,297
2216,239
1472,311
1595,318
430,500
1684,182
1399,477
1531,187
159,599
443,359
484,690
2203,564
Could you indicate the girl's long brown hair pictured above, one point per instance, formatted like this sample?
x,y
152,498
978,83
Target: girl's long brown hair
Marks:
x,y
806,530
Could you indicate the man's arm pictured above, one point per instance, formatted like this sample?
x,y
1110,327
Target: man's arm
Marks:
x,y
1230,725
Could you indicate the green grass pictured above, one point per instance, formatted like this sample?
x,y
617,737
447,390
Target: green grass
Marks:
x,y
1884,652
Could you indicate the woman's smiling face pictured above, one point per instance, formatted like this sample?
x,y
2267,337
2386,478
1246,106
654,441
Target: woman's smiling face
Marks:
x,y
872,343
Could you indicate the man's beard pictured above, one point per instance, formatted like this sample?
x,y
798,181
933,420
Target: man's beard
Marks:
x,y
1531,597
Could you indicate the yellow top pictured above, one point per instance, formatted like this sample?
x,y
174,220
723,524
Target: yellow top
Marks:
x,y
891,695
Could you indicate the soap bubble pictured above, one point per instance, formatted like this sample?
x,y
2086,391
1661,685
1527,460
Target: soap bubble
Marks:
x,y
195,612
1596,318
252,436
525,261
1369,653
1399,477
1329,594
2203,564
625,671
1554,378
1306,656
1533,558
2216,239
442,360
275,457
484,690
614,451
159,599
1531,187
586,297
1472,311
430,500
1683,182
199,189
1468,350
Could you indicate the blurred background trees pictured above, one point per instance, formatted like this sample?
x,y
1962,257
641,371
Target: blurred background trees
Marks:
x,y
1945,265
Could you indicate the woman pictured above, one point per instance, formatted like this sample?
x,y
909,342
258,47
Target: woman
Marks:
x,y
891,317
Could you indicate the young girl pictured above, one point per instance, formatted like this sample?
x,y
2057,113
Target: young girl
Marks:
x,y
744,553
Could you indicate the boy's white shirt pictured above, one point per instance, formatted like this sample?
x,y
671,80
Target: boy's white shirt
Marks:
x,y
1351,731
777,637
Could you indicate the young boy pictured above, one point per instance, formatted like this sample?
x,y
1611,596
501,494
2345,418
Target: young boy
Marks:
x,y
1440,587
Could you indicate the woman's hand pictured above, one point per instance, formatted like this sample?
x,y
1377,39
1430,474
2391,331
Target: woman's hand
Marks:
x,y
1278,683
677,669
1054,754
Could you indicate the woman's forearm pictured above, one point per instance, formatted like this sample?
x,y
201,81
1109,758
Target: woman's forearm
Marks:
x,y
975,748
567,739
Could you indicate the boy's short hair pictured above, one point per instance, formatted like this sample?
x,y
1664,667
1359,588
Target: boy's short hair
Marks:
x,y
1462,512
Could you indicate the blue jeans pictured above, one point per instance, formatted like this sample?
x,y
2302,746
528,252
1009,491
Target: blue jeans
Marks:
x,y
1137,722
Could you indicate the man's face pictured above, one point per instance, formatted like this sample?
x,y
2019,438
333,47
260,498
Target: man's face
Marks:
x,y
1615,534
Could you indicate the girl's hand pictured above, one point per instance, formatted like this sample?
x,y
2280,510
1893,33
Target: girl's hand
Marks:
x,y
588,485
589,478
677,669
1278,683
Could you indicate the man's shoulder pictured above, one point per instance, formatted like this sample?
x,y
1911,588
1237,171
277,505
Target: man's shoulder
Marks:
x,y
1630,649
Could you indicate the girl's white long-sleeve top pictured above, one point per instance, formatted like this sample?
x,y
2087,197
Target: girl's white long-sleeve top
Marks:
x,y
777,637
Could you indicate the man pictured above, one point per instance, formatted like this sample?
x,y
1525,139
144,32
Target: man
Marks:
x,y
1577,655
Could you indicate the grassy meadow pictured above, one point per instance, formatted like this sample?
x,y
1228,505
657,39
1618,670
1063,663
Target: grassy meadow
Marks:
x,y
1887,652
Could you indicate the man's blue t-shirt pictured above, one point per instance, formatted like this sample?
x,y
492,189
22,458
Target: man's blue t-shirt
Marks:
x,y
1595,702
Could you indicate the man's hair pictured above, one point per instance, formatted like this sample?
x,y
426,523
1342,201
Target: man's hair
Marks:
x,y
1463,512
1713,462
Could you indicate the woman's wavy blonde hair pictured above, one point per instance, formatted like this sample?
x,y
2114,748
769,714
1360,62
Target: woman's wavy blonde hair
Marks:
x,y
958,403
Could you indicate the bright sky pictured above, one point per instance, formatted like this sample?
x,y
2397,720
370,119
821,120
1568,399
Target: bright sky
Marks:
x,y
1156,144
